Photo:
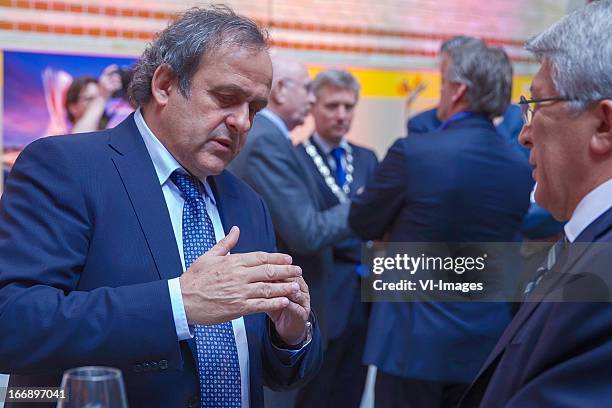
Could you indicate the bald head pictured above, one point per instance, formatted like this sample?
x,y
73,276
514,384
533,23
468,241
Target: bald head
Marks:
x,y
290,97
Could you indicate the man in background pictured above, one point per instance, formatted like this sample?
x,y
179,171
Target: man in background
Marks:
x,y
341,169
86,100
539,229
305,227
461,183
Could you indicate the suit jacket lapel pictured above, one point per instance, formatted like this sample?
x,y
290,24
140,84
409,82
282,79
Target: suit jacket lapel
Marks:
x,y
558,277
142,186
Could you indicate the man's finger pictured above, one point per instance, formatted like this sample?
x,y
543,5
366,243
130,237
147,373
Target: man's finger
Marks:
x,y
299,298
298,310
269,290
266,305
269,273
223,247
302,283
261,258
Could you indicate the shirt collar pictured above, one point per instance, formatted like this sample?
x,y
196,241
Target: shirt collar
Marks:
x,y
165,164
326,146
274,118
592,205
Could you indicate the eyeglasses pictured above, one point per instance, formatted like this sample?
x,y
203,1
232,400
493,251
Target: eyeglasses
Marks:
x,y
307,86
528,106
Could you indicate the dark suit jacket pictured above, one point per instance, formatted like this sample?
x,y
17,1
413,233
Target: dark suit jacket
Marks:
x,y
424,122
343,290
86,249
462,184
538,223
271,165
556,354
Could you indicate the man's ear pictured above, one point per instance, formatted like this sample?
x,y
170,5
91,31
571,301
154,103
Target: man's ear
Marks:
x,y
459,93
162,84
601,141
277,93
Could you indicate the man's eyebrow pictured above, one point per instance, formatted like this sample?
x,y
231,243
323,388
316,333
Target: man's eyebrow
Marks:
x,y
229,89
235,90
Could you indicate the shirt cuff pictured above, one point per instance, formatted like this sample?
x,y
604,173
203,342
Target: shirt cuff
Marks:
x,y
287,356
183,330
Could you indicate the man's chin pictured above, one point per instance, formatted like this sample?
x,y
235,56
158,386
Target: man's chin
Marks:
x,y
212,167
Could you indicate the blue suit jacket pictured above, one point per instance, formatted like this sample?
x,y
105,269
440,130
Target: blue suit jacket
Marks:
x,y
538,223
86,249
557,354
462,184
343,291
424,122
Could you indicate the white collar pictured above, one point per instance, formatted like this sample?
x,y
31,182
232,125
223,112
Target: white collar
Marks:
x,y
163,161
326,146
274,118
592,205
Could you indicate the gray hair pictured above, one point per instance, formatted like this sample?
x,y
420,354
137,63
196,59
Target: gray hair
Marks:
x,y
337,78
487,73
579,48
186,43
460,41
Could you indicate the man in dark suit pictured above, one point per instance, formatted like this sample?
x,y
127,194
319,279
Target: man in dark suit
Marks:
x,y
557,350
539,229
341,169
112,247
462,183
305,227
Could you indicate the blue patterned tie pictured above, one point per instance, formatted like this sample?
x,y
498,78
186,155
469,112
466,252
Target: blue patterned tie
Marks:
x,y
337,154
218,366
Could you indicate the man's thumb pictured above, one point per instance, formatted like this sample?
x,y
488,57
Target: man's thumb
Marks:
x,y
223,247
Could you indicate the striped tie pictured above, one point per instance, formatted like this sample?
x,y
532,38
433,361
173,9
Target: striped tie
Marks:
x,y
553,256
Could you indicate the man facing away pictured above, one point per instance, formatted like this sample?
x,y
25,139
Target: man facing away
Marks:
x,y
460,184
557,349
124,260
341,169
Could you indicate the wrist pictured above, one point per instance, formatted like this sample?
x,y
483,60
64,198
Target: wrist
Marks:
x,y
293,342
186,299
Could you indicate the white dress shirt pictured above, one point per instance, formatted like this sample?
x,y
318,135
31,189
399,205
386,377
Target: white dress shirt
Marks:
x,y
165,164
592,205
327,149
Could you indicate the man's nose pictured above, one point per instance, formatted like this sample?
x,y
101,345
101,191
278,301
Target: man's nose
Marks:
x,y
239,121
525,136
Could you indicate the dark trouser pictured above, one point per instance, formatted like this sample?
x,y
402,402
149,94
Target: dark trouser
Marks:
x,y
340,381
392,391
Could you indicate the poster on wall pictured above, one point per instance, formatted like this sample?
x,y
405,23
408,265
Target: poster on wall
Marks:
x,y
49,94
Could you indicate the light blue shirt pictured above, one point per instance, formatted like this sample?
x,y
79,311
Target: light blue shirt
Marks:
x,y
165,164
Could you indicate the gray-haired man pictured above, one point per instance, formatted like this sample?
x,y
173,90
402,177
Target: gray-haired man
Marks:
x,y
461,183
125,260
557,353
